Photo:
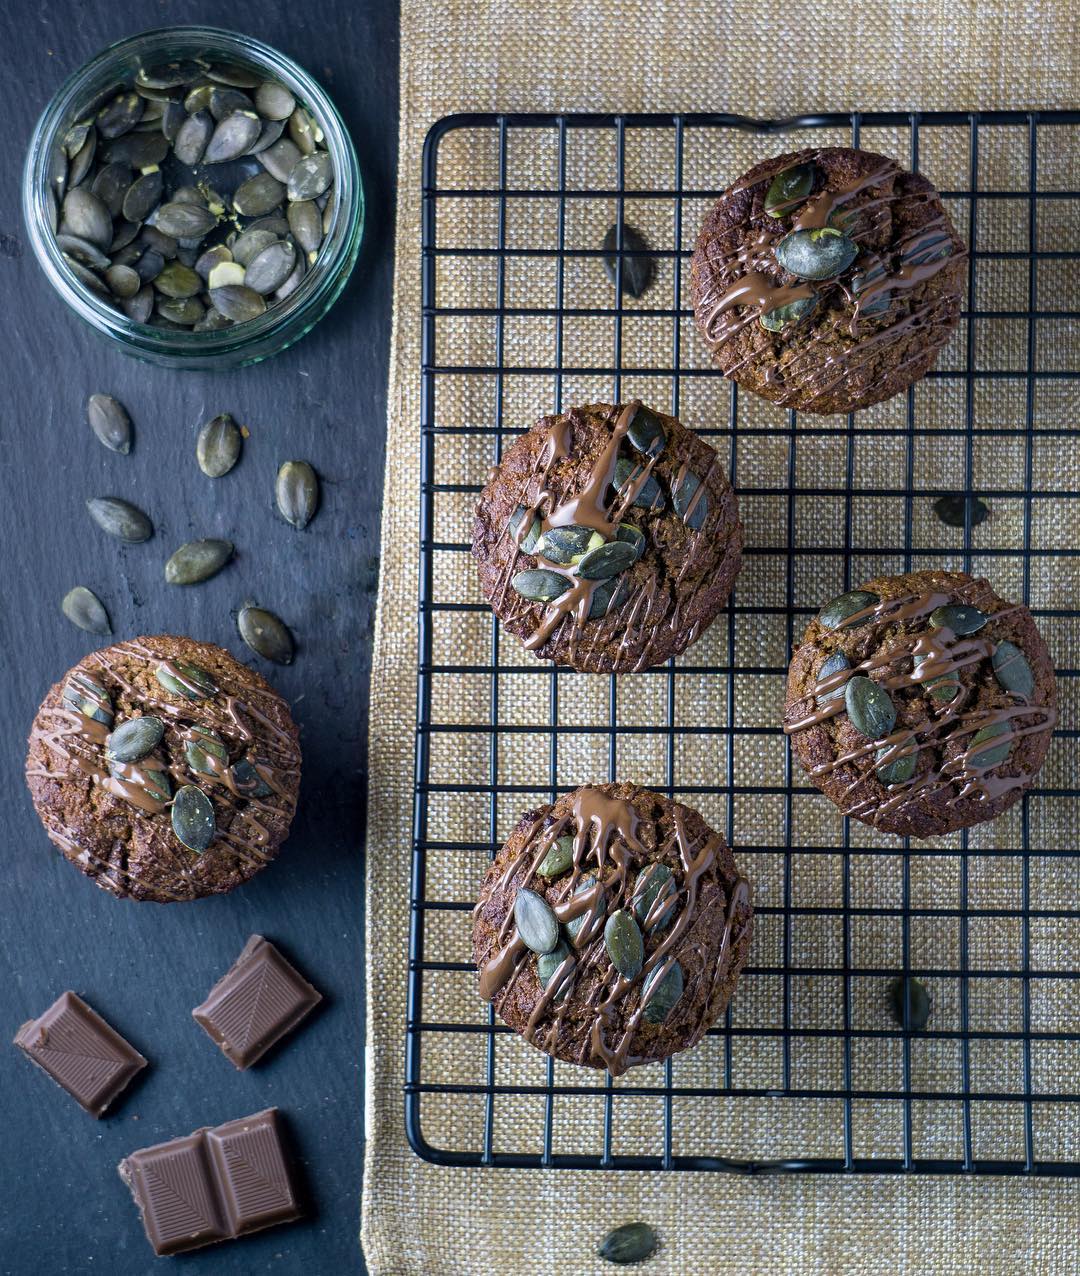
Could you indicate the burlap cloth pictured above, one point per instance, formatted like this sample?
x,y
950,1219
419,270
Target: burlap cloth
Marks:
x,y
765,60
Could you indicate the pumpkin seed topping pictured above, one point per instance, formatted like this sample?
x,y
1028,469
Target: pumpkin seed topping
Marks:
x,y
870,707
536,923
193,819
624,944
1012,670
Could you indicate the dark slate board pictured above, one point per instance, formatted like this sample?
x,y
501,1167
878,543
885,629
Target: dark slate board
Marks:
x,y
144,966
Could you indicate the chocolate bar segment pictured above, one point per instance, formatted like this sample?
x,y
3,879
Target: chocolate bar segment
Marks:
x,y
255,1003
214,1185
81,1052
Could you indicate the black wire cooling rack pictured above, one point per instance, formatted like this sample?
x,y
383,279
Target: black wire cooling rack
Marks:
x,y
1036,1041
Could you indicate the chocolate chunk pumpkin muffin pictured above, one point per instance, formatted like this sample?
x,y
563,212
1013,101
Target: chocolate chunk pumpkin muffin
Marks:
x,y
827,279
612,927
923,703
608,538
164,769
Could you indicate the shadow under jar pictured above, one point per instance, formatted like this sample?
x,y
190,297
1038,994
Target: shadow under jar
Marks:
x,y
49,172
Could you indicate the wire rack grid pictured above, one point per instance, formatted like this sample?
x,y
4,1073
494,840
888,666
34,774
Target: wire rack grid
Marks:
x,y
808,1071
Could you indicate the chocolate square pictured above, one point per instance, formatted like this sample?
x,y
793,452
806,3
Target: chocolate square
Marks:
x,y
81,1052
255,1003
254,1180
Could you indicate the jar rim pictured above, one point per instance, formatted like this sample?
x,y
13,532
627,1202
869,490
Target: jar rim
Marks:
x,y
321,284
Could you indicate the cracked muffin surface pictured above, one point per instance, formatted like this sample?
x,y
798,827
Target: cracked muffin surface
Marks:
x,y
827,279
164,769
607,538
921,703
612,927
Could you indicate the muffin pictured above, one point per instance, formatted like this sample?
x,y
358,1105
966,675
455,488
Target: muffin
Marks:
x,y
608,538
612,927
922,703
827,279
164,769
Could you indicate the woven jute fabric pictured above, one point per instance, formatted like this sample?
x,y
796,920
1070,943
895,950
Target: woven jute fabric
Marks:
x,y
764,60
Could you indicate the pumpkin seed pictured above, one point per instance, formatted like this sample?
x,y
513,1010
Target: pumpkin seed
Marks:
x,y
777,319
653,883
185,680
172,121
899,770
608,595
185,221
632,536
156,785
246,247
952,509
960,619
830,665
197,561
212,321
1012,670
150,265
182,312
120,115
167,75
86,215
693,513
219,255
630,1243
138,150
232,137
193,818
910,1003
82,160
296,493
294,279
273,101
559,857
270,268
217,449
111,185
123,282
305,222
925,248
546,966
788,189
280,158
237,302
996,754
529,543
86,277
192,137
75,137
85,609
142,196
870,707
585,921
226,274
540,584
665,992
241,77
266,634
310,177
85,695
567,544
536,924
258,196
178,280
83,251
624,944
607,560
944,686
224,101
649,496
646,432
816,254
123,235
57,171
120,519
110,422
303,131
841,608
863,279
248,780
207,745
138,308
637,261
134,739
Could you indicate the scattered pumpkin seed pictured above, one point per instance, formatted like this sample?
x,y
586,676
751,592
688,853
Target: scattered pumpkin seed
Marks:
x,y
630,1243
185,680
777,319
248,780
185,221
841,608
653,883
637,259
995,754
134,738
830,665
198,752
528,544
548,963
632,536
693,513
1012,670
952,509
863,279
788,189
607,594
197,561
944,686
193,819
87,696
296,493
910,1003
266,634
142,196
869,706
566,545
86,610
120,519
646,432
585,921
536,924
217,449
110,422
816,254
650,495
540,584
310,177
899,770
607,560
624,944
559,857
960,619
155,784
665,992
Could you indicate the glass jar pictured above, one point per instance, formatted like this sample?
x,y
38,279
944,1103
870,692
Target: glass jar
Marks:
x,y
282,323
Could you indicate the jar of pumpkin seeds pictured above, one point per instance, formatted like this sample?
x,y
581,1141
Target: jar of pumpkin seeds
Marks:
x,y
193,194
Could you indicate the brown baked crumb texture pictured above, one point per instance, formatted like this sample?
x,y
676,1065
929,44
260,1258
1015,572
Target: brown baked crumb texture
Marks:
x,y
135,854
851,786
818,365
693,570
706,990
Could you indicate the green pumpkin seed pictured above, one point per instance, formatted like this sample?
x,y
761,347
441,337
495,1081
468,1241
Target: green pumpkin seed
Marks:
x,y
953,509
150,265
637,259
258,196
540,584
280,158
273,101
120,115
120,519
925,248
536,924
777,319
296,493
961,620
138,150
816,254
156,785
178,281
88,697
110,422
624,944
584,921
111,185
225,274
167,75
630,1243
183,220
269,270
237,302
266,634
87,277
839,609
899,770
193,818
653,883
870,707
1012,670
142,196
984,758
528,544
197,561
217,449
310,177
182,312
665,992
190,142
607,560
944,686
608,595
788,189
224,101
305,222
830,665
218,255
85,609
75,137
683,498
559,857
910,1003
134,739
198,752
86,216
123,282
248,780
546,966
139,308
566,545
863,279
232,137
645,432
185,680
240,77
650,495
304,131
632,536
83,251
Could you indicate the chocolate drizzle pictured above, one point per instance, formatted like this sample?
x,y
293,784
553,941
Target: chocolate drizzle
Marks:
x,y
608,851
